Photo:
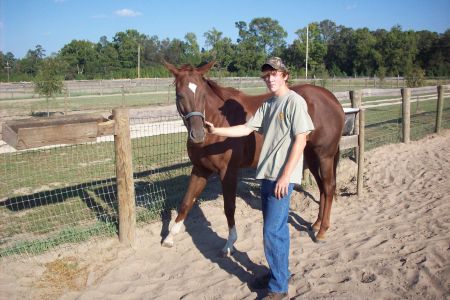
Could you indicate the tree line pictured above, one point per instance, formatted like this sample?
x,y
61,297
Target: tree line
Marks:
x,y
333,50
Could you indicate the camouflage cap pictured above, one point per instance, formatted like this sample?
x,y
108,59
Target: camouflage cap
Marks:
x,y
276,63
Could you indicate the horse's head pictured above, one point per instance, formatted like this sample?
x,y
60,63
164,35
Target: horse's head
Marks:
x,y
190,88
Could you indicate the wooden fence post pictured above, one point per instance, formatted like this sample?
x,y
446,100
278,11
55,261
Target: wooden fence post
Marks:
x,y
356,101
406,114
355,98
440,107
361,145
123,96
124,175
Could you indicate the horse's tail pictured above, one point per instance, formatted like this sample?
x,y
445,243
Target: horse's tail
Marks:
x,y
335,164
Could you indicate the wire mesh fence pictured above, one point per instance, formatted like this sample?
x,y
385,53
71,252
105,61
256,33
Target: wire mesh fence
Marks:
x,y
57,195
67,193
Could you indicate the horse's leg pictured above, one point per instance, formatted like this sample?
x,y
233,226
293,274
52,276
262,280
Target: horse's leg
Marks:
x,y
314,167
197,183
328,176
229,186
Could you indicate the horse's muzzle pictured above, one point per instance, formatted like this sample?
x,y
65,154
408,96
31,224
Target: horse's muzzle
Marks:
x,y
196,129
197,136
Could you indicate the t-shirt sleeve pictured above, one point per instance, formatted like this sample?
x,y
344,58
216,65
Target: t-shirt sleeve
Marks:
x,y
301,120
255,122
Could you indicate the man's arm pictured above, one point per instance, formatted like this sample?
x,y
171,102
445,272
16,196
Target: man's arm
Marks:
x,y
281,188
233,131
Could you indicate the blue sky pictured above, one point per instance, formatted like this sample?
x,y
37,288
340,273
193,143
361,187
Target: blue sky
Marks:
x,y
54,23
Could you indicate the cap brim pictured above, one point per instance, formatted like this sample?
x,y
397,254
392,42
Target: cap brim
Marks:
x,y
268,65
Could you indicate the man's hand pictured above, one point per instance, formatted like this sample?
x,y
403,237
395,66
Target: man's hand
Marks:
x,y
209,127
282,187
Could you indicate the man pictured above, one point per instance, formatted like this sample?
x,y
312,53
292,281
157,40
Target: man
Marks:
x,y
285,123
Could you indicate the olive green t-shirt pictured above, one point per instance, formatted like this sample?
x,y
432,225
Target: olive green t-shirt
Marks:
x,y
280,119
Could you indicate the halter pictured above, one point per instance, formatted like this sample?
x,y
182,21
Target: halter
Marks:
x,y
193,113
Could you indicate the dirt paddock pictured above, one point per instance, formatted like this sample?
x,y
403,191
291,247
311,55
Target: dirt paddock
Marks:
x,y
393,242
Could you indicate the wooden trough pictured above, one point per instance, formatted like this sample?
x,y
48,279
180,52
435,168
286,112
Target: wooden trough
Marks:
x,y
353,137
39,132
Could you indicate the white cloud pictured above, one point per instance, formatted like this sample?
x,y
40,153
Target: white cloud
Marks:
x,y
125,12
351,6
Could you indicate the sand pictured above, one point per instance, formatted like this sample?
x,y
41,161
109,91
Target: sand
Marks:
x,y
392,242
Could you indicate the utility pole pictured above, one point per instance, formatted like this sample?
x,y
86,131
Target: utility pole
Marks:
x,y
139,62
307,46
7,68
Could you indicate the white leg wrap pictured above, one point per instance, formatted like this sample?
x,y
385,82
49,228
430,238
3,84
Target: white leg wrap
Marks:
x,y
232,238
168,241
176,228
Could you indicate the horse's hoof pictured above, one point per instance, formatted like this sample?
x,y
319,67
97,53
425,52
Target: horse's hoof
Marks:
x,y
319,240
167,244
226,253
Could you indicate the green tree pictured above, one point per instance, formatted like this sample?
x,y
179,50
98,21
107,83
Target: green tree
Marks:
x,y
192,50
126,44
248,58
426,43
415,77
338,58
220,49
366,59
151,51
249,54
49,80
317,47
108,58
30,64
399,50
328,31
439,57
294,55
269,34
81,58
212,37
7,64
174,50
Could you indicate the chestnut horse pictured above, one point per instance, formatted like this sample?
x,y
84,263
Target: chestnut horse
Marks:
x,y
199,99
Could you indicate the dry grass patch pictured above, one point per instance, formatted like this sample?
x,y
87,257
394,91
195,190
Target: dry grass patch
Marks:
x,y
62,275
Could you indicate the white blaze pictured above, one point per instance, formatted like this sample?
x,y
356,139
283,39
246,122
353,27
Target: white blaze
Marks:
x,y
192,87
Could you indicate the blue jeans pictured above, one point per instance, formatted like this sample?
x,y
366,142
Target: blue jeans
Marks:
x,y
276,235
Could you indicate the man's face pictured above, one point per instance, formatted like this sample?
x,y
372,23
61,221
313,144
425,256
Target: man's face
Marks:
x,y
274,80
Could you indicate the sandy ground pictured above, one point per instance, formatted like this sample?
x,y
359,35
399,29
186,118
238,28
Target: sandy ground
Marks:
x,y
393,242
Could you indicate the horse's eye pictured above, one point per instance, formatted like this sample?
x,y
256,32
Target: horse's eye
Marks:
x,y
179,97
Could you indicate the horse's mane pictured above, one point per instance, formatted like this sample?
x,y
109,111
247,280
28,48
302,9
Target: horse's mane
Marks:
x,y
224,93
187,67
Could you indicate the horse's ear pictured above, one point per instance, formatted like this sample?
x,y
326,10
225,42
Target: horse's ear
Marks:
x,y
170,67
205,68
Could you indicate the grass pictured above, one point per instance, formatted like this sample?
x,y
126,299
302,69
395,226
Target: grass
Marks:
x,y
68,235
62,275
